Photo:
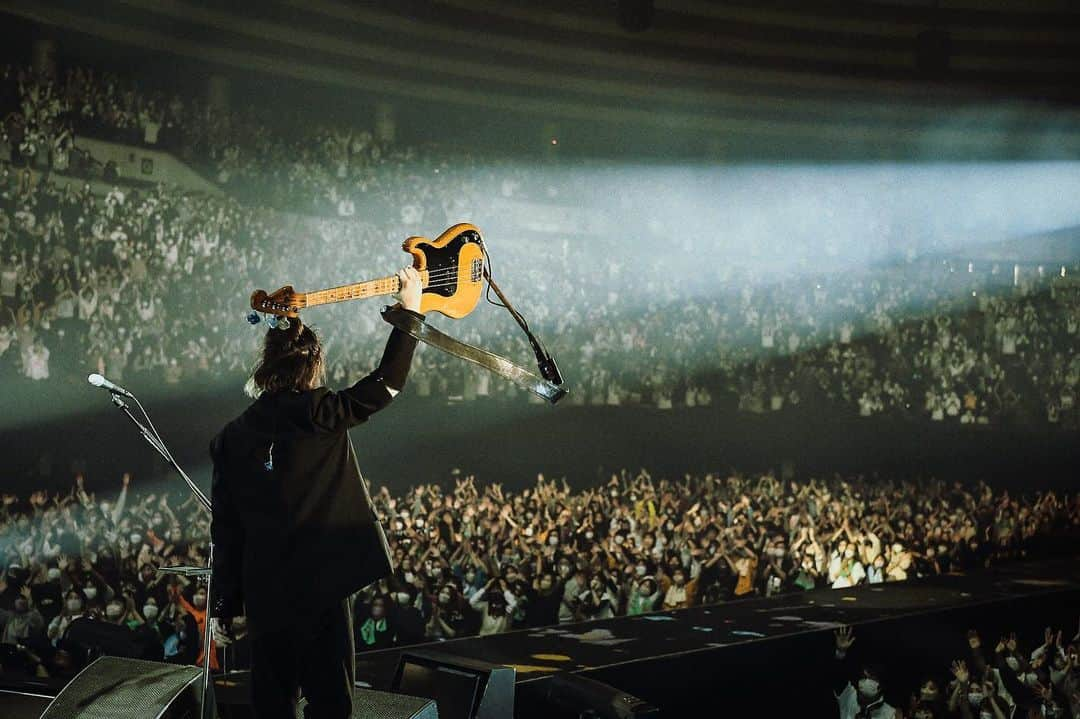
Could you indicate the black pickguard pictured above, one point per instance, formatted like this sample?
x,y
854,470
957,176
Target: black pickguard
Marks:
x,y
442,263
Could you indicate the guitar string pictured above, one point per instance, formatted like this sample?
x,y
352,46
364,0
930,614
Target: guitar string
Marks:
x,y
445,277
444,281
444,273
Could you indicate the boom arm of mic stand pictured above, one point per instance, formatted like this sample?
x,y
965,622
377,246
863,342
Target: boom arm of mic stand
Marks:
x,y
156,444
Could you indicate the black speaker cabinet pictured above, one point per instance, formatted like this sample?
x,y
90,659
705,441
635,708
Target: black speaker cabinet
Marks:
x,y
113,687
572,695
463,688
368,704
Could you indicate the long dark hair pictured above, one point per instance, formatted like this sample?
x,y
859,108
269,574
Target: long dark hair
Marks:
x,y
291,359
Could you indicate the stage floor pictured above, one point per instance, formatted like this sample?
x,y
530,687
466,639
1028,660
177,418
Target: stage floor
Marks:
x,y
610,643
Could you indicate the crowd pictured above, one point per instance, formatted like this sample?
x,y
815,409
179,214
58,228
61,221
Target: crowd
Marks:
x,y
121,283
154,281
475,559
1001,679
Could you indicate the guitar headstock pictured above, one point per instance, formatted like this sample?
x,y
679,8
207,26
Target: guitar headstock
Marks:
x,y
284,302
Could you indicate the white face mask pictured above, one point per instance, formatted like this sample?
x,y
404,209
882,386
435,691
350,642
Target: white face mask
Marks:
x,y
640,569
975,698
90,592
150,611
401,598
53,574
868,687
199,600
1013,663
409,576
135,538
113,612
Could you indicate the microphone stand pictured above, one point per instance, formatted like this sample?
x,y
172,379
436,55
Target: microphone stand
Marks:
x,y
207,708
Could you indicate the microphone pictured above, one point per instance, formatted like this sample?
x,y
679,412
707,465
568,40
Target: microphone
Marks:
x,y
99,381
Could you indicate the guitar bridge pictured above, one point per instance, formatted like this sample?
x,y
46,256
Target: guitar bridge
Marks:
x,y
476,270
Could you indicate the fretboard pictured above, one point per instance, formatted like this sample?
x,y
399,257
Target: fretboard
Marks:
x,y
359,290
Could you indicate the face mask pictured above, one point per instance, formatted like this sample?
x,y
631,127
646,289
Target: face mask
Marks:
x,y
409,577
986,715
53,574
589,534
401,598
113,612
135,538
679,580
849,553
444,598
150,611
199,600
868,687
640,569
975,698
1013,663
90,592
74,606
928,694
553,540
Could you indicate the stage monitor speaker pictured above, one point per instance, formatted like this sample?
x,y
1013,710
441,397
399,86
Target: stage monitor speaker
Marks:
x,y
572,695
369,704
463,688
112,687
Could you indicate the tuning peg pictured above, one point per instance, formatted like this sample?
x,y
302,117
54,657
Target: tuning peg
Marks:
x,y
283,323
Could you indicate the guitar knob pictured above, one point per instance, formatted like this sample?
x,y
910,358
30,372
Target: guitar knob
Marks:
x,y
253,318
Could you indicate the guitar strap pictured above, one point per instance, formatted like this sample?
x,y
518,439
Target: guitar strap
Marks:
x,y
415,327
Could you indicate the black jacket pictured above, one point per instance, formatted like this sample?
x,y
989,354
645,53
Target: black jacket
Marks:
x,y
294,539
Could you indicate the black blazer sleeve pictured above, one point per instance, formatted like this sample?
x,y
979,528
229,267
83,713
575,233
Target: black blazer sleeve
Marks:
x,y
227,534
337,411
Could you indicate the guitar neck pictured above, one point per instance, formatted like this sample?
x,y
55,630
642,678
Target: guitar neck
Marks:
x,y
356,291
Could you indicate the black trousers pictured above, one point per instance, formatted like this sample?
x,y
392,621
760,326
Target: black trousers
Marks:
x,y
314,657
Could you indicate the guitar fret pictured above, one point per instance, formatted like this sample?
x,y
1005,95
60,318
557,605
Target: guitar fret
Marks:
x,y
371,288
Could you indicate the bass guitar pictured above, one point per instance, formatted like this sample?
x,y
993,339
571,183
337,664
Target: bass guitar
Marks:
x,y
451,269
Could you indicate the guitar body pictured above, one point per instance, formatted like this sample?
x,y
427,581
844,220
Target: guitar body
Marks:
x,y
452,267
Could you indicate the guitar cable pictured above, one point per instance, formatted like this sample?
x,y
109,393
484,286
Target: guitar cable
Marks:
x,y
544,361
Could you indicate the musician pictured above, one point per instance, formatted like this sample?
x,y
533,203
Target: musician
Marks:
x,y
294,530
